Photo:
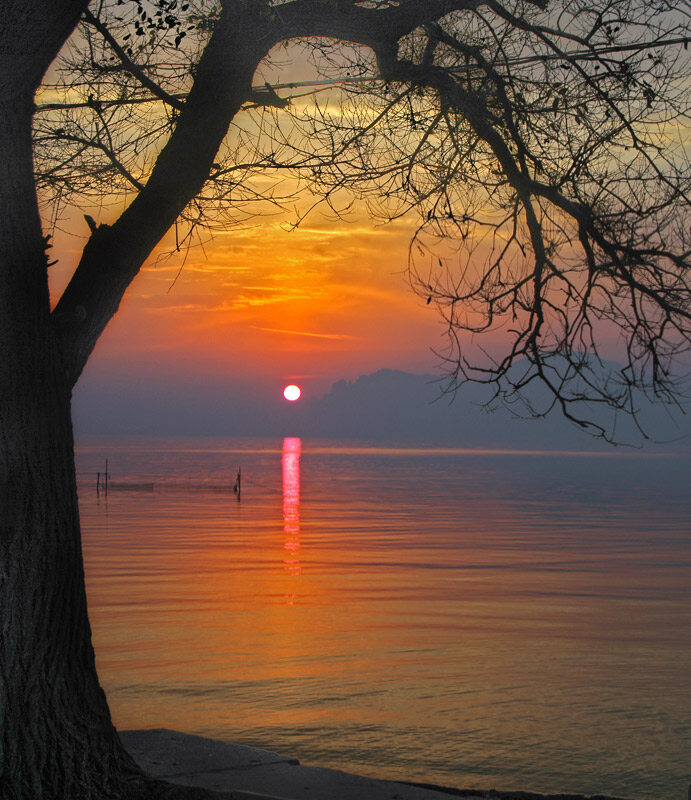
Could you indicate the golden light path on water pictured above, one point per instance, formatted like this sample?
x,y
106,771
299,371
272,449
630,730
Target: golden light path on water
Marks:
x,y
291,505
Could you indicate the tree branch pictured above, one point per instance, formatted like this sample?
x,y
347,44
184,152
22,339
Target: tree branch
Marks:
x,y
371,26
114,254
132,67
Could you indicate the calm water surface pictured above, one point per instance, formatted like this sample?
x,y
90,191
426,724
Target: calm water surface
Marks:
x,y
472,619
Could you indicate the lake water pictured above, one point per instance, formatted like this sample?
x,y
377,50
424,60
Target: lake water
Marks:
x,y
465,618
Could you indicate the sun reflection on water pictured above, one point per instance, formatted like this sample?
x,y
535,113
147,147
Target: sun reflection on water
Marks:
x,y
292,447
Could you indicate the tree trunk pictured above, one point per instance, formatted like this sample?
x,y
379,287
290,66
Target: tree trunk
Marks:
x,y
56,736
57,741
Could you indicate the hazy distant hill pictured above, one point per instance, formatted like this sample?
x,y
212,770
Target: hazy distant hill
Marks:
x,y
386,406
390,405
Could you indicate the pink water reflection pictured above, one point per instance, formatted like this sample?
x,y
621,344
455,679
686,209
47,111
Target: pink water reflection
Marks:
x,y
292,447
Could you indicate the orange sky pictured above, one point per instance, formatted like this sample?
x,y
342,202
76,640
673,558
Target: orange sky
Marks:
x,y
326,301
265,304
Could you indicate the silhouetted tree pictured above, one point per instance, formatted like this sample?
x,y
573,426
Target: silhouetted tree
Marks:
x,y
461,101
545,153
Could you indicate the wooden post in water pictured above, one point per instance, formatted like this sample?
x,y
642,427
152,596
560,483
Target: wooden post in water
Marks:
x,y
105,480
238,483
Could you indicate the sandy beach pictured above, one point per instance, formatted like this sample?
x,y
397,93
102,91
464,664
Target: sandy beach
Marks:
x,y
252,774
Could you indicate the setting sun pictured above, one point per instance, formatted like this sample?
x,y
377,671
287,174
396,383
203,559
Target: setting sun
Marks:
x,y
292,392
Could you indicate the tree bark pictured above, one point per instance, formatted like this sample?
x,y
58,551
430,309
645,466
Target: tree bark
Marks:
x,y
56,736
